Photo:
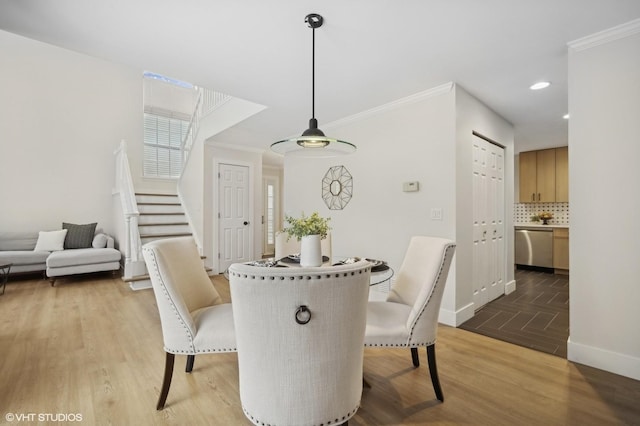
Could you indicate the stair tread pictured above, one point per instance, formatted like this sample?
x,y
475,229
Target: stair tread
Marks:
x,y
177,234
155,195
159,204
160,213
146,276
164,224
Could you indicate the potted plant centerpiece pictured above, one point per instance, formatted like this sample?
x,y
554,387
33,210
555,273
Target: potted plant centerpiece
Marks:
x,y
309,231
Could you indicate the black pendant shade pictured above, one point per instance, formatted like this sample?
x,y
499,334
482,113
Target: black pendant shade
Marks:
x,y
313,142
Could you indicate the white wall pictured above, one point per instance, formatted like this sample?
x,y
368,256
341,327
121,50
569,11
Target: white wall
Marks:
x,y
169,97
195,184
604,150
62,115
411,141
472,115
424,138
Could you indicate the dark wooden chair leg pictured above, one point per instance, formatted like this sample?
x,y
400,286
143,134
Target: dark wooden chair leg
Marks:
x,y
166,382
365,384
414,357
433,370
190,361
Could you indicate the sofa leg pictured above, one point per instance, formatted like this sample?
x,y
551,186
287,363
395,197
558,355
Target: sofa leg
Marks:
x,y
52,281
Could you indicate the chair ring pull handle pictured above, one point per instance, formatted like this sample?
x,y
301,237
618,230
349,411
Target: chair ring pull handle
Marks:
x,y
303,315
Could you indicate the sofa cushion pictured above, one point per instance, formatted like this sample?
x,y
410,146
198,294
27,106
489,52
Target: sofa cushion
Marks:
x,y
86,256
79,236
50,240
23,257
15,240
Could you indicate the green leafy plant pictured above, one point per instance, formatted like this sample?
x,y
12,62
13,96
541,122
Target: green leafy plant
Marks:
x,y
312,225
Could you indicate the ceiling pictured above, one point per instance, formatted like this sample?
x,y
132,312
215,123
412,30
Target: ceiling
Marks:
x,y
368,52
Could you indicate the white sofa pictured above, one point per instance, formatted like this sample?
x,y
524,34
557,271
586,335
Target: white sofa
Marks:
x,y
17,248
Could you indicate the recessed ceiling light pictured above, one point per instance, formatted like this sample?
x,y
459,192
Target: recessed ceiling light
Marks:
x,y
566,116
540,85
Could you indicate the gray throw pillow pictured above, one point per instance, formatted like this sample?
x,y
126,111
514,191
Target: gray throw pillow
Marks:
x,y
78,236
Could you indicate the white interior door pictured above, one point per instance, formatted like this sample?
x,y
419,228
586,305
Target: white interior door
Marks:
x,y
488,222
234,215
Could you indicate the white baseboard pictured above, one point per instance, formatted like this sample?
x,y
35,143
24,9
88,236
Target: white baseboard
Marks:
x,y
603,359
140,285
134,269
456,318
510,287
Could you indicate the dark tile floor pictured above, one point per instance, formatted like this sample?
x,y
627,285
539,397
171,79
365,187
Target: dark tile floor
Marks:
x,y
536,315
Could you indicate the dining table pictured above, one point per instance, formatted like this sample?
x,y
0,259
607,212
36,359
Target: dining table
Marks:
x,y
381,272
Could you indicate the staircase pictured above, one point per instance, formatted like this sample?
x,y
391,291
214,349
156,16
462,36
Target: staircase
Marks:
x,y
161,216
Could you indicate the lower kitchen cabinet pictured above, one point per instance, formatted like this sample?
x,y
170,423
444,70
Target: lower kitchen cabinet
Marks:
x,y
561,250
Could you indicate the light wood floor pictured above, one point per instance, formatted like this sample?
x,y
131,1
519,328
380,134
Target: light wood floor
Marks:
x,y
93,347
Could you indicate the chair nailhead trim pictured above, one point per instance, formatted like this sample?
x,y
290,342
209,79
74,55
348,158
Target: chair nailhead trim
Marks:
x,y
299,277
343,418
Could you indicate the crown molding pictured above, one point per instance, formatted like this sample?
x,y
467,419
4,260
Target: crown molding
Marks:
x,y
226,145
616,33
417,97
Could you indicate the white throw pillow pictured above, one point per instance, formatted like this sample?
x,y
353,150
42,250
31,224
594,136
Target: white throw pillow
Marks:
x,y
99,241
51,240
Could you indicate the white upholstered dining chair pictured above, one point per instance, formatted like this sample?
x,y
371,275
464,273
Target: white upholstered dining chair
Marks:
x,y
409,316
300,338
194,319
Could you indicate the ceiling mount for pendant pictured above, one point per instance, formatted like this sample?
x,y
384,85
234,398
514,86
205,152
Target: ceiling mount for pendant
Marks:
x,y
313,142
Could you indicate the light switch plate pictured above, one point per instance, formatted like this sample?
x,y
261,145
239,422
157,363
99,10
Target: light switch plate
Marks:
x,y
436,214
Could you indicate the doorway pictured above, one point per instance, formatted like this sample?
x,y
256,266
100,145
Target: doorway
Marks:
x,y
489,253
271,209
234,215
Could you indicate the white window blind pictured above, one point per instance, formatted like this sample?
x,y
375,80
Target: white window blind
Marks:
x,y
162,145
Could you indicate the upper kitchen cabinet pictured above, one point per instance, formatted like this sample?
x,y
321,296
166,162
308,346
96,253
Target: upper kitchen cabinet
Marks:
x,y
562,174
538,176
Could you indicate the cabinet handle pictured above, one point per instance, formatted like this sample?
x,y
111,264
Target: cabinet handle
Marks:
x,y
533,197
538,196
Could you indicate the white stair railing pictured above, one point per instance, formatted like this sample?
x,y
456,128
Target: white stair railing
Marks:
x,y
207,102
124,186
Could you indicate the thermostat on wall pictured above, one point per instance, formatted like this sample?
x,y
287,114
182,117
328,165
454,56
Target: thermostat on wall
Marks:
x,y
410,186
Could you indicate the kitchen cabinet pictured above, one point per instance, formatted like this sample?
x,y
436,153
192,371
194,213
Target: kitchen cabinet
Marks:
x,y
542,178
562,174
561,249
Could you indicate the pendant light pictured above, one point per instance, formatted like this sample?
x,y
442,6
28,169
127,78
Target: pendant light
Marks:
x,y
313,142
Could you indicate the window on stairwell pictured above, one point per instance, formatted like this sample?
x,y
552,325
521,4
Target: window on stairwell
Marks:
x,y
163,136
168,107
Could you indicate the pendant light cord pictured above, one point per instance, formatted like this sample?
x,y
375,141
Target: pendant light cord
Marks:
x,y
313,72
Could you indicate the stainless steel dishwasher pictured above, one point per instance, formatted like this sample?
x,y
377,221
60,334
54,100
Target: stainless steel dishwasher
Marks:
x,y
534,247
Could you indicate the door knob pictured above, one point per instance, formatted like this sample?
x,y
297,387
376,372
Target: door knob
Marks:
x,y
246,222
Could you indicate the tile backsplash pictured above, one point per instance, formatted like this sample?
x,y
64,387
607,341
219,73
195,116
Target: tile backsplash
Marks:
x,y
524,211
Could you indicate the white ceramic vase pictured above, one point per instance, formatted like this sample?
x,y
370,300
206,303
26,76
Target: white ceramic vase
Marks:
x,y
310,251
